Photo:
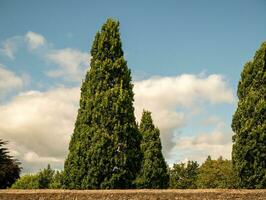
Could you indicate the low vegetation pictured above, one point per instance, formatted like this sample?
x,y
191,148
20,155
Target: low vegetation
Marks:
x,y
211,174
45,179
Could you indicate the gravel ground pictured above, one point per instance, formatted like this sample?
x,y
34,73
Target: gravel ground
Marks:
x,y
200,194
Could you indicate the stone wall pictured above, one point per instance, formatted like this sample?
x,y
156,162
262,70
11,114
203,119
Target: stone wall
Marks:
x,y
132,194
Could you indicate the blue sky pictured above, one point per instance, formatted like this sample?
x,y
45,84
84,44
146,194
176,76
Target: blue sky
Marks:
x,y
198,47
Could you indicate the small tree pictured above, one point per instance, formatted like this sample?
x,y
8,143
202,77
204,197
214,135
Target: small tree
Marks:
x,y
216,174
9,167
184,175
57,181
249,124
45,177
153,173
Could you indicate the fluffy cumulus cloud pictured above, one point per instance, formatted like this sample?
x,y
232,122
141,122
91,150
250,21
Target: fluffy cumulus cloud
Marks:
x,y
164,96
68,64
71,63
34,40
185,90
9,81
215,143
38,126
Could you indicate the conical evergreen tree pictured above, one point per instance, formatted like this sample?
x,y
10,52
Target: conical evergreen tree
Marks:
x,y
249,124
104,150
153,173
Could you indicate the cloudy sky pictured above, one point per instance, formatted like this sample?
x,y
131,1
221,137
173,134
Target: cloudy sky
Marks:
x,y
186,58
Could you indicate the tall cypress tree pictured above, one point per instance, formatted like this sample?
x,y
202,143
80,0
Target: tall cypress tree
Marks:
x,y
153,173
249,124
105,146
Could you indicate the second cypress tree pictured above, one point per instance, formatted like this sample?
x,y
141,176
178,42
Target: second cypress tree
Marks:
x,y
105,146
153,173
249,124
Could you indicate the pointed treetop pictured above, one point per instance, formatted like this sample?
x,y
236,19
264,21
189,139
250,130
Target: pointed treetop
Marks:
x,y
107,43
153,173
253,73
208,158
146,122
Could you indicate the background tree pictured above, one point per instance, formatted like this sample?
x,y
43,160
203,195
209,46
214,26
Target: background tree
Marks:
x,y
9,167
216,174
28,181
153,173
249,125
184,175
44,179
57,181
105,146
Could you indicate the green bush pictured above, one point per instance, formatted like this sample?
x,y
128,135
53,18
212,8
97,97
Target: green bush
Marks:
x,y
57,181
184,175
216,174
28,181
46,178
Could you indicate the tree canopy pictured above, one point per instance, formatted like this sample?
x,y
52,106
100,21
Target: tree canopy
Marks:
x,y
249,124
184,175
216,174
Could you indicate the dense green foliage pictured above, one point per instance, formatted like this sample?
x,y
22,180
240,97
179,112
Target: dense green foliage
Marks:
x,y
249,124
184,175
44,179
57,181
29,181
9,167
216,174
211,174
153,173
104,151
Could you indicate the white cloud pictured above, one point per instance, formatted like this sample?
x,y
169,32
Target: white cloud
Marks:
x,y
184,90
216,137
10,46
34,157
39,125
72,64
163,96
34,40
9,81
68,64
215,143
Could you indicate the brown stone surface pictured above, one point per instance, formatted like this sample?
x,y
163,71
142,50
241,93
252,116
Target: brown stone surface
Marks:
x,y
211,194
